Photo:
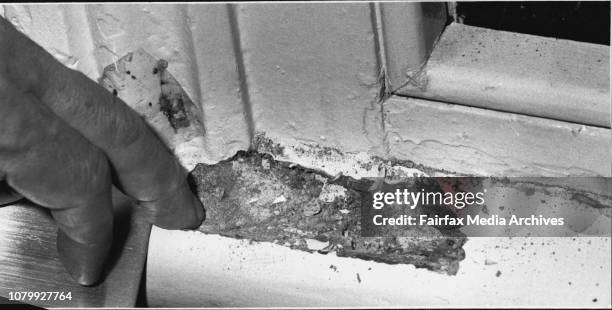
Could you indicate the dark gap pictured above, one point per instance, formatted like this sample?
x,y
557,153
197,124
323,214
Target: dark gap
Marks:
x,y
584,21
141,298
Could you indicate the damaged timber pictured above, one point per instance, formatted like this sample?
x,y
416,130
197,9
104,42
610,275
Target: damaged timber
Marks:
x,y
252,196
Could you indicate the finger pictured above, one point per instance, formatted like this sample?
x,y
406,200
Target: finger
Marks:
x,y
8,195
145,169
51,164
169,211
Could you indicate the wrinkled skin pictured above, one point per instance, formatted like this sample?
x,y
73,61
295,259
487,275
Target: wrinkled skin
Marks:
x,y
64,141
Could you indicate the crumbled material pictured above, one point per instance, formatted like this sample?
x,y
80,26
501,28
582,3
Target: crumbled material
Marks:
x,y
241,198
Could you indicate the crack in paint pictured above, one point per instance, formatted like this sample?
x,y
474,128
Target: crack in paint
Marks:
x,y
506,161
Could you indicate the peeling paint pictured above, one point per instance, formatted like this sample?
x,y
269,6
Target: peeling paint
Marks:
x,y
152,92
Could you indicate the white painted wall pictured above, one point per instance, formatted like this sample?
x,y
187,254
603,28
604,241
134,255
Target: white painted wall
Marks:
x,y
312,73
312,78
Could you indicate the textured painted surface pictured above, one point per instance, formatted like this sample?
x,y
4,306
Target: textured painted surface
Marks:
x,y
312,73
224,115
519,73
483,142
161,30
410,31
194,38
312,68
224,272
148,88
63,30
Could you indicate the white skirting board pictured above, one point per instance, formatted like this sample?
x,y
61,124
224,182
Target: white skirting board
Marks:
x,y
475,141
199,270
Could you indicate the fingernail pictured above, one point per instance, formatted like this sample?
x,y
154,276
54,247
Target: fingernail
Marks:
x,y
179,210
84,262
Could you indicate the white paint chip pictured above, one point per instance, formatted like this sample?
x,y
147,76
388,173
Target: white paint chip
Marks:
x,y
316,245
279,199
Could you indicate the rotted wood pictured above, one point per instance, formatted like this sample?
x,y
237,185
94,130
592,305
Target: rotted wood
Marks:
x,y
254,197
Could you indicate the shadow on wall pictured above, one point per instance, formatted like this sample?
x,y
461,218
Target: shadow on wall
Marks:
x,y
585,21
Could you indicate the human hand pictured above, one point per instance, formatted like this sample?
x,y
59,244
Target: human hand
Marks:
x,y
64,141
